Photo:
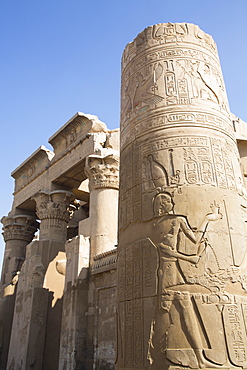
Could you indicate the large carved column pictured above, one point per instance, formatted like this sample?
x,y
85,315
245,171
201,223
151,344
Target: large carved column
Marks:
x,y
182,238
18,231
103,170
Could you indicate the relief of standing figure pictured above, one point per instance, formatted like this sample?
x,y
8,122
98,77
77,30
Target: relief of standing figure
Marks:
x,y
170,230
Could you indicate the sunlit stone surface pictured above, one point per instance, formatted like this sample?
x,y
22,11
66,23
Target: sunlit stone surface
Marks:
x,y
182,242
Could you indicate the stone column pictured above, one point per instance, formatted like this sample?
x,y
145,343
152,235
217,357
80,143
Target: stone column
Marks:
x,y
40,307
54,211
182,239
18,231
103,170
73,349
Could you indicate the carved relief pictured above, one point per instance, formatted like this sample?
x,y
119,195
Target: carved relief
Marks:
x,y
32,167
185,145
174,82
138,270
200,162
235,334
146,89
167,120
137,279
126,213
165,33
196,300
169,227
173,76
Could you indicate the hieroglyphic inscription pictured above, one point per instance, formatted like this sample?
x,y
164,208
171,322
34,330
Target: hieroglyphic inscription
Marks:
x,y
191,172
244,312
165,33
128,333
219,165
137,274
138,332
185,81
133,345
235,334
198,165
121,274
126,192
230,176
150,265
169,119
172,142
179,53
128,272
138,269
223,166
204,161
130,194
137,186
129,207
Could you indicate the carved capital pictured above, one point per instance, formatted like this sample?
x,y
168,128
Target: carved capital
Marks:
x,y
54,205
19,227
103,170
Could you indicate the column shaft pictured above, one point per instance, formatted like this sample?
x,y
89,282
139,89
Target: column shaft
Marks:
x,y
102,171
182,239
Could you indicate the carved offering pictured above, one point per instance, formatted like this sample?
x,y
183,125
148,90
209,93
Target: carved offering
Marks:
x,y
182,256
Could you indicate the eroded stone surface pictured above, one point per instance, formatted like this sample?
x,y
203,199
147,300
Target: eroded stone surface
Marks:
x,y
181,200
172,294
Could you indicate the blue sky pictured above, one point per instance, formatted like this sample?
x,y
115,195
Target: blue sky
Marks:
x,y
59,57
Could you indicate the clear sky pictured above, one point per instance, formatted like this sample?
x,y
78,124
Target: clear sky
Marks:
x,y
59,57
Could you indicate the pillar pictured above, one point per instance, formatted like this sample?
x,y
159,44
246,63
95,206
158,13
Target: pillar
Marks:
x,y
18,231
36,325
103,172
182,238
54,209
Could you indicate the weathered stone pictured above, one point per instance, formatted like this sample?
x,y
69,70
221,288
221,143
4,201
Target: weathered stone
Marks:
x,y
102,169
54,211
168,292
180,203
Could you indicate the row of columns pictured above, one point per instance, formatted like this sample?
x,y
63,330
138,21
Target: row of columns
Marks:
x,y
54,210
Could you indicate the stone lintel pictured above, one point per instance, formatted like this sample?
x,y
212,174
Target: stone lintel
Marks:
x,y
75,131
32,167
59,172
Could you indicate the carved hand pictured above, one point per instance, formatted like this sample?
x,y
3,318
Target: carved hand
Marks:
x,y
193,259
215,215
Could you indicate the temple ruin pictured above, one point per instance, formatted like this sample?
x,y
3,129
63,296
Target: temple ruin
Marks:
x,y
142,265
